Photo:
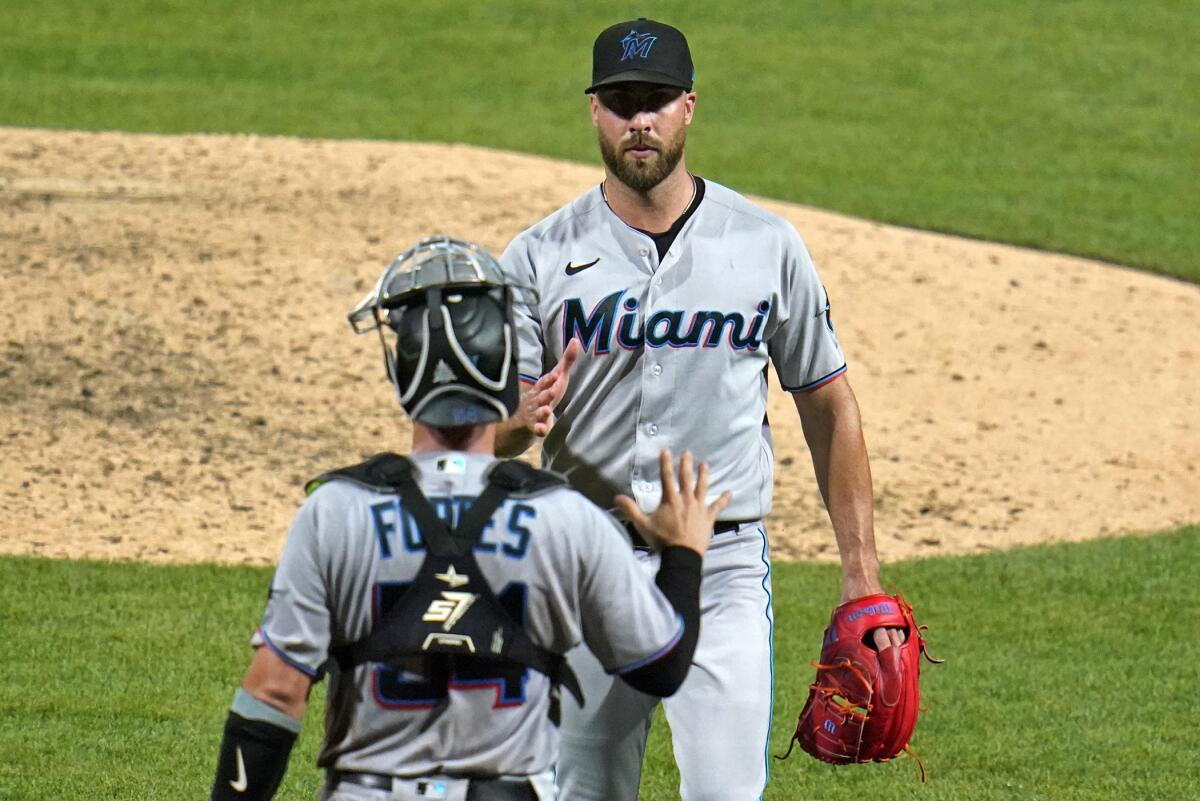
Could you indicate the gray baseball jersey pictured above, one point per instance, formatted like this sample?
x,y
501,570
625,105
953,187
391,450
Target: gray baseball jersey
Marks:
x,y
675,353
558,558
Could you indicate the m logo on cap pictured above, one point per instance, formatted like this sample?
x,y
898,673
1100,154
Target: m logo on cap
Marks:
x,y
637,44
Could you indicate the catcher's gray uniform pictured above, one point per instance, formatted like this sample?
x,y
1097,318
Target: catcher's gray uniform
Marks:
x,y
675,355
349,547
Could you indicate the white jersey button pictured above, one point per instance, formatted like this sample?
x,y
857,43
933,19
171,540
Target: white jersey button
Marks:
x,y
644,251
657,369
652,429
647,486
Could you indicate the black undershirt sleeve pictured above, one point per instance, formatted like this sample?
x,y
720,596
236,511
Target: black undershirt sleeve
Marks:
x,y
679,579
253,758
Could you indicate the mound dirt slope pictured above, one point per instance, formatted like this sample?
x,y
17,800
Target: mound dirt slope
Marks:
x,y
177,360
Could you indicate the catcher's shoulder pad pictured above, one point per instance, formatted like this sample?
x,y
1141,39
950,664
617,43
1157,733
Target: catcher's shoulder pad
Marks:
x,y
380,473
523,480
383,470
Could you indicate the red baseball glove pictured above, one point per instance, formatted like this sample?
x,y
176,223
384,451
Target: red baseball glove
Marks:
x,y
863,705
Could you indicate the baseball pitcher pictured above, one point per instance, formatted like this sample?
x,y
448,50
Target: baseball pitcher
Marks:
x,y
663,298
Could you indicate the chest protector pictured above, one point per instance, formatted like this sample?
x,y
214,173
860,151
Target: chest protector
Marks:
x,y
449,613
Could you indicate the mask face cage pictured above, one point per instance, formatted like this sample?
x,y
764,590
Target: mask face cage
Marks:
x,y
452,354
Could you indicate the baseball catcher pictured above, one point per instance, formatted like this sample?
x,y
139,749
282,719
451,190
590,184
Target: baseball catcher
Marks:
x,y
863,705
438,591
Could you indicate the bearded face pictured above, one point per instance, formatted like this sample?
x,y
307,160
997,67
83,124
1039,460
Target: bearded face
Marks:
x,y
641,129
642,161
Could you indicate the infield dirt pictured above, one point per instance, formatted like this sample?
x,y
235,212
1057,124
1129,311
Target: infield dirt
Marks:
x,y
177,360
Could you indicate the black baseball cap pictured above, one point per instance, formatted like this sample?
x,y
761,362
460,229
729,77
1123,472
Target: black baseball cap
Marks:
x,y
641,50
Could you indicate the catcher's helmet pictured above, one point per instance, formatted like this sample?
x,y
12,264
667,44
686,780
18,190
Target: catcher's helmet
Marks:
x,y
454,356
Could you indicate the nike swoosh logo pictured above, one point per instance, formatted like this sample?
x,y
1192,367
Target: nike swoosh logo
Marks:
x,y
241,784
578,268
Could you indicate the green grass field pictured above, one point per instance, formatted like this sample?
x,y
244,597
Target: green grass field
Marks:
x,y
1071,673
1070,126
1067,125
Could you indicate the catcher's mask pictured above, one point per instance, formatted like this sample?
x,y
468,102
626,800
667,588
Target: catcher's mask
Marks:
x,y
453,354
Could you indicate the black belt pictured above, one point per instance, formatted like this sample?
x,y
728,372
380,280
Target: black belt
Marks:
x,y
477,789
722,527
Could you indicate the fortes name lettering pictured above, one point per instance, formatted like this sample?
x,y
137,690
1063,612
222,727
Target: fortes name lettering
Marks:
x,y
617,319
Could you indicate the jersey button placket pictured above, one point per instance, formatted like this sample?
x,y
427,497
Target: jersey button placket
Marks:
x,y
651,433
645,455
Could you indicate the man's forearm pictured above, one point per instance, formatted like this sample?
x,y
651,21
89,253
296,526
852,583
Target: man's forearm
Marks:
x,y
512,438
261,729
833,431
849,498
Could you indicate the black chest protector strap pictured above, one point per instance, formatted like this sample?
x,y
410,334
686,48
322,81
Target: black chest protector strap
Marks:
x,y
449,612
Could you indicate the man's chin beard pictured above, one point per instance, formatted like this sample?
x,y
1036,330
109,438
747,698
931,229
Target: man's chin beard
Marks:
x,y
642,175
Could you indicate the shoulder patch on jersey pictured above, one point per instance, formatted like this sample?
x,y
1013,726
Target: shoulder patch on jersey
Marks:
x,y
378,473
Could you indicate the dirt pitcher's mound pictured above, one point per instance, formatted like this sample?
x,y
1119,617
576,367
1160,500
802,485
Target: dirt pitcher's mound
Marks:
x,y
177,359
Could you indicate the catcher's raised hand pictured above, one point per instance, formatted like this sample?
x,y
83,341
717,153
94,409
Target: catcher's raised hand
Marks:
x,y
682,517
536,411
